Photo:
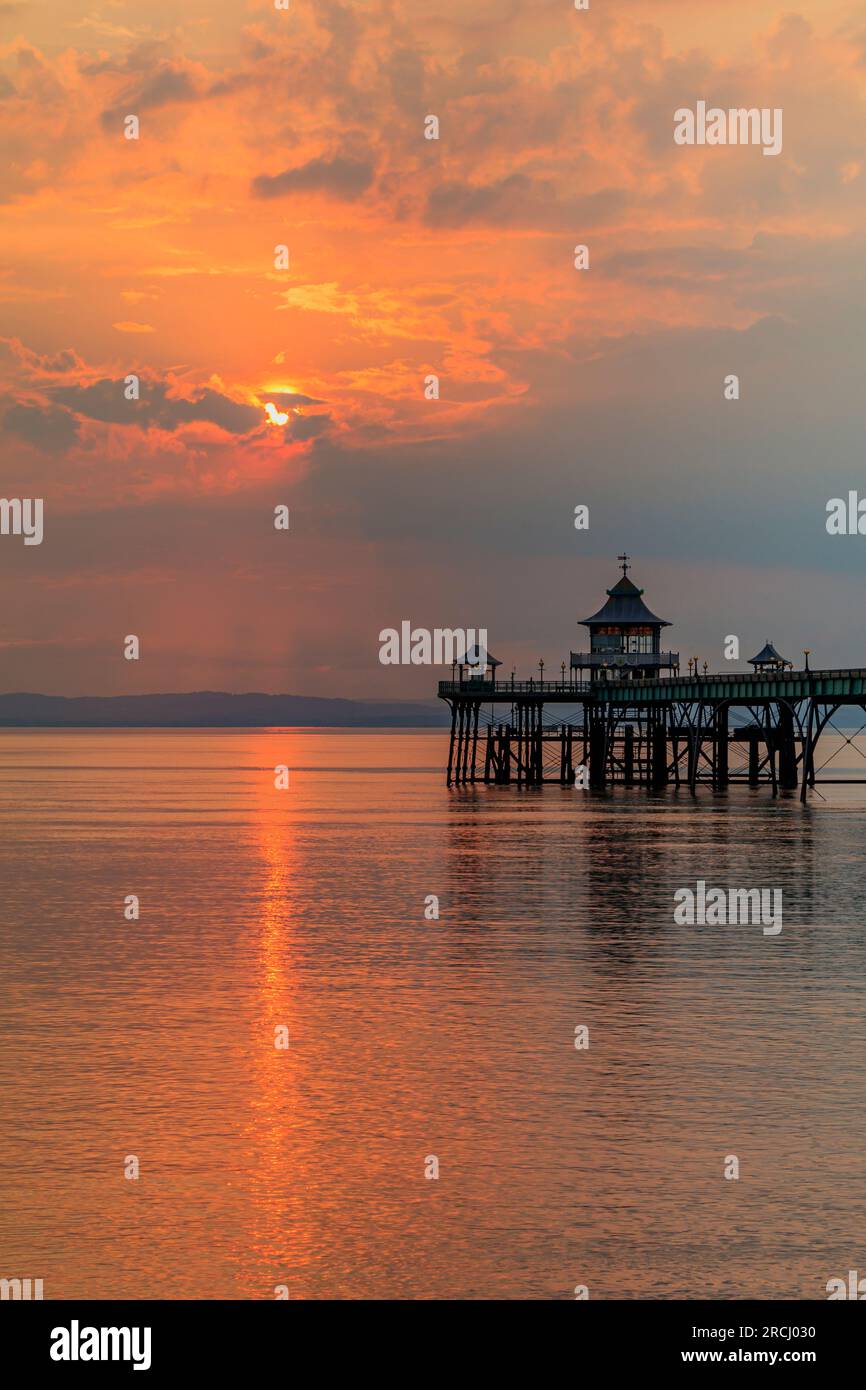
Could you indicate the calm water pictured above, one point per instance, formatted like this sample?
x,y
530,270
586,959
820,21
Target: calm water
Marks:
x,y
411,1037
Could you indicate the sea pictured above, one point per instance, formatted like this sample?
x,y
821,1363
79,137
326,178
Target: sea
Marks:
x,y
344,1032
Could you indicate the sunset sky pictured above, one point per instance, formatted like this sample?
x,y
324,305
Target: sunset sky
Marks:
x,y
408,256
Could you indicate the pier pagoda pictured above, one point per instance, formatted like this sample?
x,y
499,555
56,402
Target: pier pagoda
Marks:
x,y
624,637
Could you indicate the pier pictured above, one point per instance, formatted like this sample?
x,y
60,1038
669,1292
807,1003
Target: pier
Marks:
x,y
629,724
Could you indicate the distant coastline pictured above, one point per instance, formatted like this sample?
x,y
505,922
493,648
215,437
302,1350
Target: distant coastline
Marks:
x,y
214,709
217,709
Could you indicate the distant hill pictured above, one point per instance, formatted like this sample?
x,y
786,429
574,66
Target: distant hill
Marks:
x,y
215,709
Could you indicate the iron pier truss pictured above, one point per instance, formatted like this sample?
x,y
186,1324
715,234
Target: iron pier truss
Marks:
x,y
718,730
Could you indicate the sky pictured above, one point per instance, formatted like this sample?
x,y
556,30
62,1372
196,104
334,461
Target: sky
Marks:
x,y
410,257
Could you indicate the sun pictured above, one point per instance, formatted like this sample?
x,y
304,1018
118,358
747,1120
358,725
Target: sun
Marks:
x,y
276,417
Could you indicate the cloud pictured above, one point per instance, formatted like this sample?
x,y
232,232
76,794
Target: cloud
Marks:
x,y
47,427
305,427
34,365
518,200
103,28
168,85
104,400
343,176
286,398
129,326
320,299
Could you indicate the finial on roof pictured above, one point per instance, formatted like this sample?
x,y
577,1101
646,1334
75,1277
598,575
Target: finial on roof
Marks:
x,y
624,559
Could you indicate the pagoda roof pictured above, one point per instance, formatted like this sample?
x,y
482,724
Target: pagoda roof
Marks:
x,y
624,605
766,655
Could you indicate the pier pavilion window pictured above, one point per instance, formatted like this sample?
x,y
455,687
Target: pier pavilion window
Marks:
x,y
640,639
614,639
608,639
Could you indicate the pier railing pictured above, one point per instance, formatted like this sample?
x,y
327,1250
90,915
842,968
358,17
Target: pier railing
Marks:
x,y
743,684
475,686
615,661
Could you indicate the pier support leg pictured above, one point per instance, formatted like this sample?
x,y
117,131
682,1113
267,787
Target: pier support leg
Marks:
x,y
458,742
521,717
695,741
538,744
628,755
566,775
721,749
464,741
516,737
597,752
474,755
659,758
770,737
451,743
467,730
808,770
787,749
489,753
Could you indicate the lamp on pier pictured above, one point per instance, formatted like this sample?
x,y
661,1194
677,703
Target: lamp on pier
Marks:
x,y
541,669
806,651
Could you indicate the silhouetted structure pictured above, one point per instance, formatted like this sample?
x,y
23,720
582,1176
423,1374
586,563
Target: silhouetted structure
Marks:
x,y
634,725
768,659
